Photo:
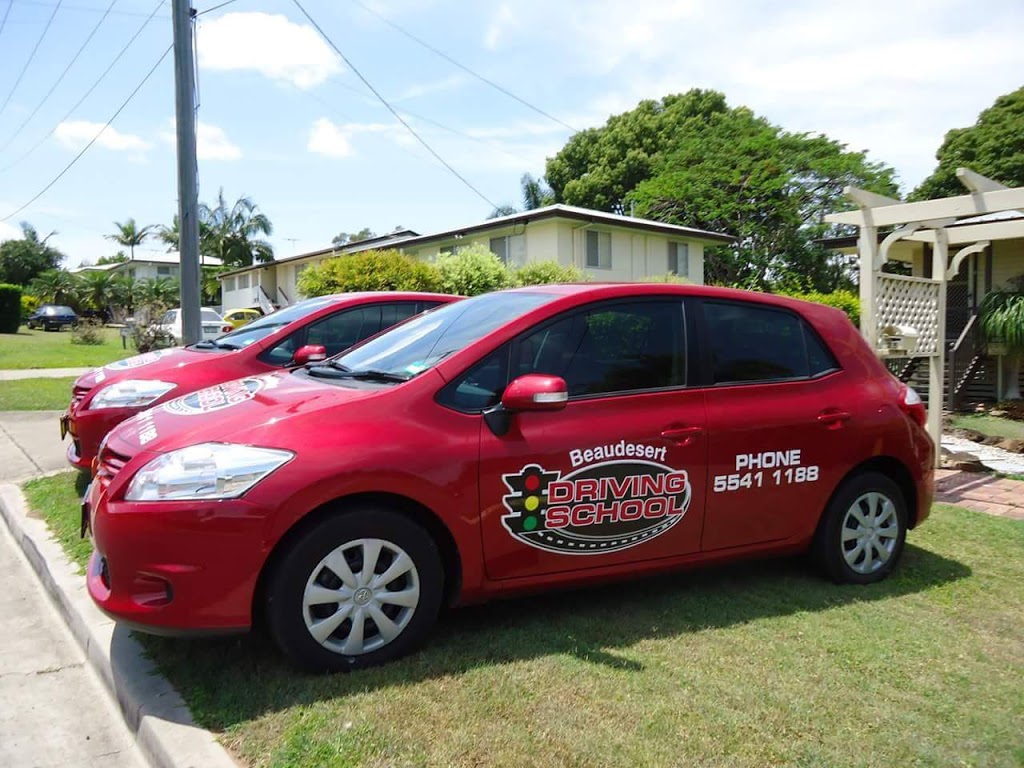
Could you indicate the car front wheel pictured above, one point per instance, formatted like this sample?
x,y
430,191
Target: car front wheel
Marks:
x,y
358,589
863,531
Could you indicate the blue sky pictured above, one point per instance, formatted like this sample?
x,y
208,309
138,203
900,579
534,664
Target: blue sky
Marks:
x,y
284,121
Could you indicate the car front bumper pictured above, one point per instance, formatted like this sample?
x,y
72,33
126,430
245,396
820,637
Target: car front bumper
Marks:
x,y
87,430
175,567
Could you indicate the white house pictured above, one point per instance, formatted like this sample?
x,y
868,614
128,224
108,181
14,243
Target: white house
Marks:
x,y
606,246
147,265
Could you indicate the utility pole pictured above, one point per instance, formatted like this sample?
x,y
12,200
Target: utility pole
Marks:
x,y
188,186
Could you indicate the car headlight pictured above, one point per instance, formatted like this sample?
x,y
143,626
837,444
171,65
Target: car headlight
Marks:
x,y
206,471
131,393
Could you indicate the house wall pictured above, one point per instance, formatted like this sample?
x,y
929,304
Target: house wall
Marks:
x,y
141,270
1007,262
635,256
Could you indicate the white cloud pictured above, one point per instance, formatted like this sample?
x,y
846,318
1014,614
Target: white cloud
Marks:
x,y
269,44
335,139
212,143
9,232
425,89
75,134
500,24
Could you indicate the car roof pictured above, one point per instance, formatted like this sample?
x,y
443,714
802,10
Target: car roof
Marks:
x,y
591,291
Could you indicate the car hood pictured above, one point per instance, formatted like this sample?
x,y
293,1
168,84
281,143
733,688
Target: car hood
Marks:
x,y
253,409
165,364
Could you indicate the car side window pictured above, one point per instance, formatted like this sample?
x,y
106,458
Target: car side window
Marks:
x,y
613,348
751,343
341,330
392,314
168,318
282,353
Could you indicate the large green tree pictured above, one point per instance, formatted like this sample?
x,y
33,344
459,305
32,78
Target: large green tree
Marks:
x,y
993,146
693,160
129,234
24,259
345,238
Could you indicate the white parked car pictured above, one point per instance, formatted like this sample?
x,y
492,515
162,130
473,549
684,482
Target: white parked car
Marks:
x,y
213,324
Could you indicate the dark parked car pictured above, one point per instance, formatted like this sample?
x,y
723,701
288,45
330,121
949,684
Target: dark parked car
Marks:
x,y
52,317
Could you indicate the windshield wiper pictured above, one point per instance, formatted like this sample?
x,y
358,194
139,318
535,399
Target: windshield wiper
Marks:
x,y
332,371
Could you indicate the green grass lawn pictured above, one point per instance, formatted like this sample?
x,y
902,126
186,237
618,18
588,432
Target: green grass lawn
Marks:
x,y
35,394
42,349
991,425
747,665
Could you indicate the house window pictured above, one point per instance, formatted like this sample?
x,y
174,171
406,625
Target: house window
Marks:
x,y
131,274
229,284
679,259
511,249
447,250
243,281
163,271
599,250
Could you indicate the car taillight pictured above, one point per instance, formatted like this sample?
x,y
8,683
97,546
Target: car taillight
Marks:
x,y
226,328
912,405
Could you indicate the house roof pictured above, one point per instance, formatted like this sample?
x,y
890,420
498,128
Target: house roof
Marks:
x,y
392,238
560,211
160,258
586,215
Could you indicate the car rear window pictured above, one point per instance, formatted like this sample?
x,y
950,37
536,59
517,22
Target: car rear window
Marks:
x,y
209,316
750,343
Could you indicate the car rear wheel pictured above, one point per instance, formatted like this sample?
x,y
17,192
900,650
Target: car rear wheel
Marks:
x,y
862,533
356,590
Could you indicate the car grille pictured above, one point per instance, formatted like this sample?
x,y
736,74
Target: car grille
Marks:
x,y
109,464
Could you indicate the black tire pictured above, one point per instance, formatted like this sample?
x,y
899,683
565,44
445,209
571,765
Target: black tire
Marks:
x,y
855,552
302,564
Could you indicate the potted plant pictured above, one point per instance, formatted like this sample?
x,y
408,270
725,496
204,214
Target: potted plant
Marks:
x,y
1002,321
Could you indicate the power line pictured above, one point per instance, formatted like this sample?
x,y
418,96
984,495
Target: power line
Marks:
x,y
392,110
216,7
92,88
3,21
86,8
30,56
85,149
462,66
60,79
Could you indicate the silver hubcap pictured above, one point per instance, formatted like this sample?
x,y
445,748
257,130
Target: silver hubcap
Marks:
x,y
361,596
870,531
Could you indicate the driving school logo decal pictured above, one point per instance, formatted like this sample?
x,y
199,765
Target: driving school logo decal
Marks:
x,y
139,360
601,508
215,398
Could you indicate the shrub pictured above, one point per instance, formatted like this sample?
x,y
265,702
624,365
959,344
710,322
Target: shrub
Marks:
x,y
146,338
471,271
377,270
10,308
847,301
29,304
547,273
88,331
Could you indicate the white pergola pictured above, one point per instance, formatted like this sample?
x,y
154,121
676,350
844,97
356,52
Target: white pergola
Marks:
x,y
895,300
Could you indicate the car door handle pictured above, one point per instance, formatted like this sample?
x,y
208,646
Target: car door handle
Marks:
x,y
833,418
681,435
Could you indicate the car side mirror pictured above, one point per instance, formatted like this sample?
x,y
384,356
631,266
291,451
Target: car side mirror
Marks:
x,y
535,392
310,353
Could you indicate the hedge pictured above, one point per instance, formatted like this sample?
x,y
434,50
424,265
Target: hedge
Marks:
x,y
847,301
471,271
10,308
383,270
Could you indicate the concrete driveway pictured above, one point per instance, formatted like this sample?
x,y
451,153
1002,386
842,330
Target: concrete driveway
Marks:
x,y
30,445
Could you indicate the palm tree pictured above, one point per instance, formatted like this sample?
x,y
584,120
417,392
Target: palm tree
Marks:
x,y
1002,320
122,296
96,290
536,194
129,234
55,286
234,233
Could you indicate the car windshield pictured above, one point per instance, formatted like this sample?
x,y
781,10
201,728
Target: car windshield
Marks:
x,y
259,329
419,344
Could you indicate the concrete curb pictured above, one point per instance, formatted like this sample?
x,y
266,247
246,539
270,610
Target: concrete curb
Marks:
x,y
155,713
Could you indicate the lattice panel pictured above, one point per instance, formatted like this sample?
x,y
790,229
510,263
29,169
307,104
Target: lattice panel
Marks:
x,y
912,301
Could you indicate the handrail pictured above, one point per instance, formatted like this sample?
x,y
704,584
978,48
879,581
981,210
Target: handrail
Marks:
x,y
264,301
286,301
964,351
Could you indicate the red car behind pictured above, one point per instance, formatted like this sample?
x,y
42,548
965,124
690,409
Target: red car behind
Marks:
x,y
103,398
519,440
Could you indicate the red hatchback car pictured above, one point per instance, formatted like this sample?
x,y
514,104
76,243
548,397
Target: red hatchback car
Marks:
x,y
518,440
309,330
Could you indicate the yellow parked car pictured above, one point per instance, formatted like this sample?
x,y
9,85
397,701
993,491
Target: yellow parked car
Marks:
x,y
239,317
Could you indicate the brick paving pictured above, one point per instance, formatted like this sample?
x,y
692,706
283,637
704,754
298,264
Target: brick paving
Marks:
x,y
980,492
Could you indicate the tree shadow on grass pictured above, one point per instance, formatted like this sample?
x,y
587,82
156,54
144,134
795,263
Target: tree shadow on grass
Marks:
x,y
229,680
